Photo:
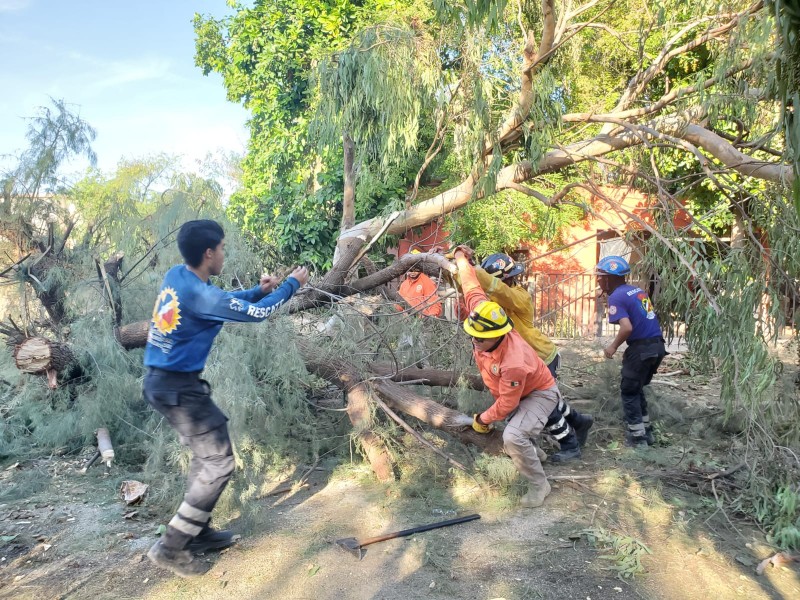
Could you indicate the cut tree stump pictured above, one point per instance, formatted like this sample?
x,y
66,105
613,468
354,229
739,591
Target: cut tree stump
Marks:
x,y
133,335
39,355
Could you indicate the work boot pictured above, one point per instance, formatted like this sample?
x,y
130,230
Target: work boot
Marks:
x,y
211,539
570,450
635,441
180,562
649,436
535,496
582,424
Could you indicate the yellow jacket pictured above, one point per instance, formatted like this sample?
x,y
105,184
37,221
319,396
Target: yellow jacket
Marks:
x,y
516,301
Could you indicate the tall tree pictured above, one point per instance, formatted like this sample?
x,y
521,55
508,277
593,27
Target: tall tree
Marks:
x,y
292,195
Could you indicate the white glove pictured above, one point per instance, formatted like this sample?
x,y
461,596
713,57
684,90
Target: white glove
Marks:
x,y
462,421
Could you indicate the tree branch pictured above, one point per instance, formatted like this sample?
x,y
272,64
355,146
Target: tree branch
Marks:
x,y
531,60
672,126
639,81
665,100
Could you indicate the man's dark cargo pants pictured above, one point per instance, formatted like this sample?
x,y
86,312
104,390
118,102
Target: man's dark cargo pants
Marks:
x,y
185,401
639,363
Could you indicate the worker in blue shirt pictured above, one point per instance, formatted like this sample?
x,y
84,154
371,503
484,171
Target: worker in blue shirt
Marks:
x,y
631,307
188,314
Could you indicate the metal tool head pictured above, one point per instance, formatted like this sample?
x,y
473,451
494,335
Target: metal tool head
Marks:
x,y
351,545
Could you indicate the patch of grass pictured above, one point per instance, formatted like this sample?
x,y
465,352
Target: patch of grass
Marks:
x,y
527,591
624,551
321,539
24,484
438,552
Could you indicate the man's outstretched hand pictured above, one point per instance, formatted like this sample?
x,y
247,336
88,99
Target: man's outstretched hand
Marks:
x,y
465,252
268,283
301,274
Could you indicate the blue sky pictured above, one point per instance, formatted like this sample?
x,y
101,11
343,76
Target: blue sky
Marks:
x,y
126,66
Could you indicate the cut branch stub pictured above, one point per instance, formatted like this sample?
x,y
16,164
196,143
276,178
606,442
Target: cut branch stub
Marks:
x,y
133,335
40,355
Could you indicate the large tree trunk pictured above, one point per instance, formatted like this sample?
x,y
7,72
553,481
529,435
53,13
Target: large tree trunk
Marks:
x,y
677,126
432,377
344,376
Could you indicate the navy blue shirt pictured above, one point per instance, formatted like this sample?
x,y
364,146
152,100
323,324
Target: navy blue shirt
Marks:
x,y
189,314
633,303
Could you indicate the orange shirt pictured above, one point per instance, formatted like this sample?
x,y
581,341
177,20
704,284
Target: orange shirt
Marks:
x,y
421,291
513,369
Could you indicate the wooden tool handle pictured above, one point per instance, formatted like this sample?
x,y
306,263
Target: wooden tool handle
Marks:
x,y
413,530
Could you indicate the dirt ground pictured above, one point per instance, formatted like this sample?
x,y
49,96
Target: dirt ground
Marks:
x,y
615,526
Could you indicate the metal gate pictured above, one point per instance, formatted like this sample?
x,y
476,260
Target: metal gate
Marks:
x,y
566,305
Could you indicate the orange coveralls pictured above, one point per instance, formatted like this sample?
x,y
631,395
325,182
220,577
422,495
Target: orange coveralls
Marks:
x,y
520,383
421,291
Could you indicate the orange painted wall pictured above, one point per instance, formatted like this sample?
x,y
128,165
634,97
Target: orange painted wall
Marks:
x,y
425,238
614,215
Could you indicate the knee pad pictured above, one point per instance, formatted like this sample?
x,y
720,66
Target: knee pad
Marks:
x,y
217,468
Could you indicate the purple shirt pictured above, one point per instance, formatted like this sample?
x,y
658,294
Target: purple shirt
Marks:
x,y
633,303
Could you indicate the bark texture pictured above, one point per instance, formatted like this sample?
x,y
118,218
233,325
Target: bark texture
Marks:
x,y
433,377
133,335
38,355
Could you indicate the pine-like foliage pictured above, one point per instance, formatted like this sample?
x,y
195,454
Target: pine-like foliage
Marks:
x,y
255,371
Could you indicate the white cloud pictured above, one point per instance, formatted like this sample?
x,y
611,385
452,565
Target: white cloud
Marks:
x,y
13,5
120,73
102,74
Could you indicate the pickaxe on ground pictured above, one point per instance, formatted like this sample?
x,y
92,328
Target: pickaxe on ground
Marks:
x,y
356,547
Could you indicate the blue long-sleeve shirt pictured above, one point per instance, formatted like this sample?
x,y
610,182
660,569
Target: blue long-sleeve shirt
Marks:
x,y
189,314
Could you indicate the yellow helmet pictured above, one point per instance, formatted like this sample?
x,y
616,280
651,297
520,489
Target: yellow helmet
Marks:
x,y
488,320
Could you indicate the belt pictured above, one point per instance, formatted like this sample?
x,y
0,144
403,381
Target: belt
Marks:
x,y
645,340
174,374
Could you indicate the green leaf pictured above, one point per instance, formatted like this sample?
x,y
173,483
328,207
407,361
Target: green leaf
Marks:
x,y
7,538
313,570
161,530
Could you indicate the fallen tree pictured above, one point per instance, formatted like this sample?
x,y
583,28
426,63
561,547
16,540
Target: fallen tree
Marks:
x,y
361,390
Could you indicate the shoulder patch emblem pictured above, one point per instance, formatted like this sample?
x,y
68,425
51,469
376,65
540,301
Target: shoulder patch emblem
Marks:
x,y
419,288
495,369
167,312
237,305
612,310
